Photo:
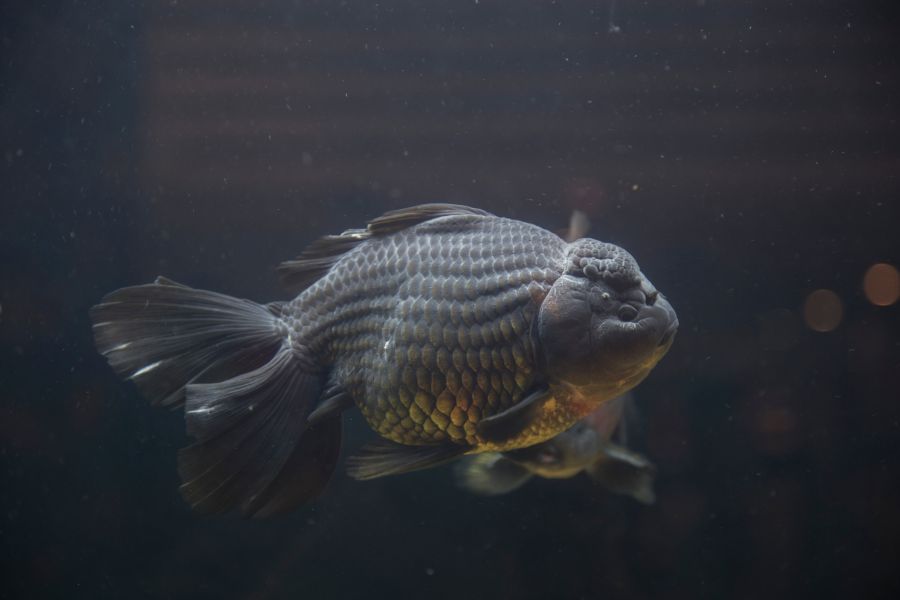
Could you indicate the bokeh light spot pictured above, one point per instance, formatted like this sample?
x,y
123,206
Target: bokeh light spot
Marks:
x,y
882,284
776,420
823,310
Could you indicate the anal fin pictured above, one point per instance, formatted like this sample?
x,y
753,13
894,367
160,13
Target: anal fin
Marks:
x,y
383,457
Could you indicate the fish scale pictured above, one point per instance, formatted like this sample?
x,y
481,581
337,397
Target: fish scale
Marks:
x,y
438,336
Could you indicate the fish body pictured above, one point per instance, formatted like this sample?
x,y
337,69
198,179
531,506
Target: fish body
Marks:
x,y
452,330
430,329
586,447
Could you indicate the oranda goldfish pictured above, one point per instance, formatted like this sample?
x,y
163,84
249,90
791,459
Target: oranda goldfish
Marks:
x,y
452,330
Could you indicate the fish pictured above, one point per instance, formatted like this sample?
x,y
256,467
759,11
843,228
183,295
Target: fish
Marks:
x,y
586,447
452,330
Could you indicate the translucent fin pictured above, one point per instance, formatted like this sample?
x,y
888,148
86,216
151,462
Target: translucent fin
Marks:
x,y
625,472
165,335
512,421
490,474
397,220
609,416
321,255
247,427
384,457
306,472
300,273
247,394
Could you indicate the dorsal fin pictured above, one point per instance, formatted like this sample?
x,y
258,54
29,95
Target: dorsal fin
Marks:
x,y
396,220
298,274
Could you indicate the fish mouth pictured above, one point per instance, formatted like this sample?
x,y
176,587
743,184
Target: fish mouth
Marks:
x,y
669,335
626,343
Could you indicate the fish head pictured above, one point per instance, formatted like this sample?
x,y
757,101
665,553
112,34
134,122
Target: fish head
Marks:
x,y
602,326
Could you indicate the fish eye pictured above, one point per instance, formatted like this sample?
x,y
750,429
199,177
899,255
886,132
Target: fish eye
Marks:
x,y
627,313
651,298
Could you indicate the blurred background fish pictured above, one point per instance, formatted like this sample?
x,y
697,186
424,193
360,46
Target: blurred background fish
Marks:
x,y
586,447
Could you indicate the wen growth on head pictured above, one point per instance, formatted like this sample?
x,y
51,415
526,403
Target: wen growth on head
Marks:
x,y
452,330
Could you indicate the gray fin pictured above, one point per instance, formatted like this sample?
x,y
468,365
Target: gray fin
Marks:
x,y
298,274
165,335
513,420
383,457
397,220
247,428
624,472
306,472
335,401
490,474
246,394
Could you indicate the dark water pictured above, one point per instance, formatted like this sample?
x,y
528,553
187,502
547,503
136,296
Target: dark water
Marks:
x,y
746,153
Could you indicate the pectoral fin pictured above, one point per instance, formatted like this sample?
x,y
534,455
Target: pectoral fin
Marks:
x,y
512,421
334,401
384,457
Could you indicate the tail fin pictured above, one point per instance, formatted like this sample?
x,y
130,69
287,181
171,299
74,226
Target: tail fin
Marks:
x,y
490,474
165,335
247,393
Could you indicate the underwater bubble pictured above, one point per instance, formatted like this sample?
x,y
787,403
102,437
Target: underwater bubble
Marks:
x,y
823,310
881,284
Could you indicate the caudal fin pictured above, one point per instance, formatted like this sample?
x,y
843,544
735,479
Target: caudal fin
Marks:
x,y
246,393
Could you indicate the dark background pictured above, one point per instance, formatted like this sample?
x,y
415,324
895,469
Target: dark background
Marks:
x,y
745,152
